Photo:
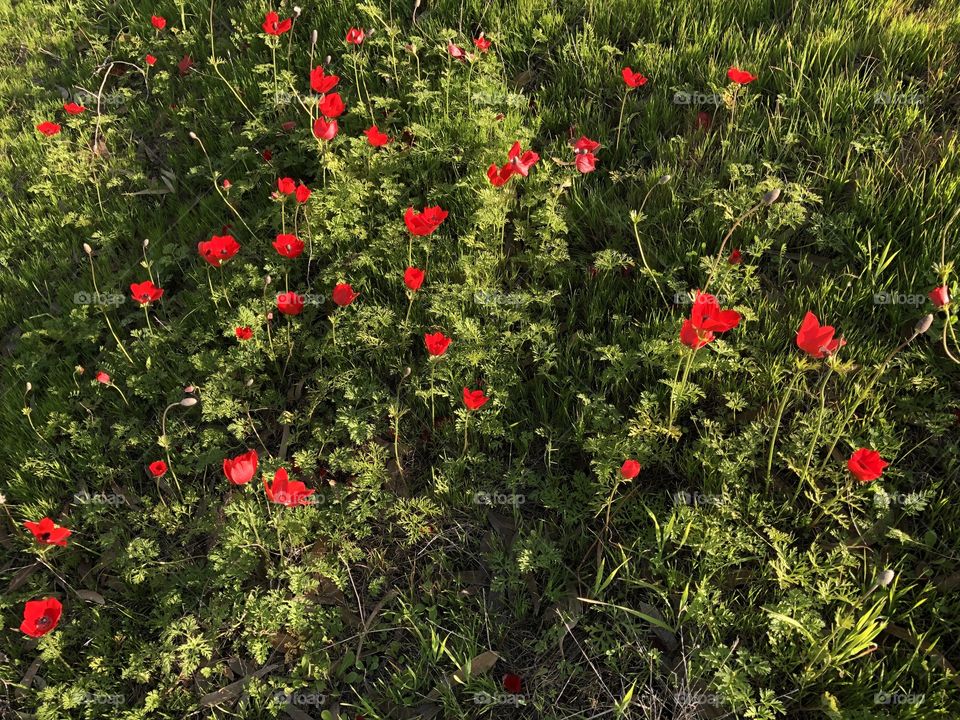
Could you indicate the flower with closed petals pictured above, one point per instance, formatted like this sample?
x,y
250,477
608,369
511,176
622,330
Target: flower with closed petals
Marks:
x,y
630,469
332,105
343,294
474,399
866,465
817,340
324,129
302,193
158,22
436,343
241,469
740,77
375,137
355,36
286,185
424,223
413,278
939,296
289,303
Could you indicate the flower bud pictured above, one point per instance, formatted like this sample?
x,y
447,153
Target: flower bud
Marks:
x,y
193,136
923,325
146,243
189,389
87,249
771,196
188,402
313,38
29,386
885,578
664,179
249,382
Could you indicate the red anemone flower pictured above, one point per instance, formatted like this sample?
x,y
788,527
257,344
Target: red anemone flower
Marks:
x,y
456,52
740,77
343,294
40,616
227,184
158,468
736,257
186,62
145,292
103,378
241,469
474,399
413,278
707,315
150,60
158,22
586,162
303,193
273,26
244,332
939,296
218,249
286,185
355,36
498,176
73,109
521,162
585,144
289,303
325,130
322,83
512,683
482,43
332,105
866,465
287,492
633,79
375,137
630,469
267,155
424,223
816,340
48,128
436,343
48,533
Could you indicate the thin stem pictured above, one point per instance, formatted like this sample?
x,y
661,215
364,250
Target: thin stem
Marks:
x,y
466,425
216,68
643,258
822,412
623,106
776,427
96,290
726,237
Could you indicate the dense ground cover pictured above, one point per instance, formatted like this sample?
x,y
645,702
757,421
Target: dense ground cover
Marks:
x,y
461,558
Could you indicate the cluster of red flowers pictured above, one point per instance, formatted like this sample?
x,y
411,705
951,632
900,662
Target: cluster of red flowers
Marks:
x,y
518,163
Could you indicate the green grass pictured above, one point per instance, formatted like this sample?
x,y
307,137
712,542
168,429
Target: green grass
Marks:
x,y
704,587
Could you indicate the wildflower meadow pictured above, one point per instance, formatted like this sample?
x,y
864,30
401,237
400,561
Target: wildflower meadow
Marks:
x,y
480,359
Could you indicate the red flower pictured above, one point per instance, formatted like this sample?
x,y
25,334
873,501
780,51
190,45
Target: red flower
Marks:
x,y
456,52
287,492
482,43
150,60
939,296
48,533
186,62
498,176
437,343
585,144
343,294
40,616
633,79
48,128
289,303
145,292
474,399
413,278
735,257
73,109
585,160
630,469
303,193
158,22
693,338
241,469
704,120
816,340
102,377
707,315
740,77
158,468
218,249
521,163
424,223
512,683
244,333
267,155
332,105
355,36
322,83
375,137
325,130
286,185
273,26
866,465
227,184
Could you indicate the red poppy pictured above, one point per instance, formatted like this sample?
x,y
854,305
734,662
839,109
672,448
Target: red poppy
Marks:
x,y
474,399
102,377
218,249
332,105
630,469
498,176
585,160
437,343
158,468
816,340
585,144
512,683
736,257
322,83
707,315
40,616
287,492
741,77
289,303
633,79
286,185
227,184
521,162
273,26
866,465
244,333
48,128
325,130
73,109
424,223
158,22
145,292
150,60
939,296
186,62
241,469
482,43
693,338
413,278
302,193
48,533
456,52
355,36
343,294
375,137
